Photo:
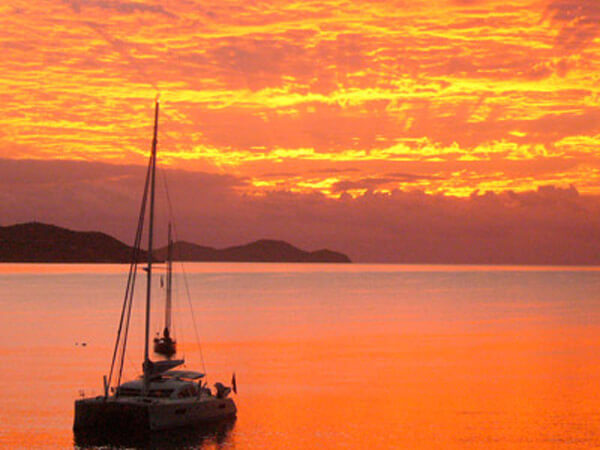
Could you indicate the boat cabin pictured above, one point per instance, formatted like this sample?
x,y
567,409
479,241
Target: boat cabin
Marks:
x,y
173,384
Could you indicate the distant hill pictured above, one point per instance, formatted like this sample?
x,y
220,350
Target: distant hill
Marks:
x,y
38,242
264,250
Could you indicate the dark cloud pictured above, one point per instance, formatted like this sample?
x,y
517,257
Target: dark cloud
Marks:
x,y
579,22
550,225
335,170
99,196
123,7
411,176
279,174
374,183
363,183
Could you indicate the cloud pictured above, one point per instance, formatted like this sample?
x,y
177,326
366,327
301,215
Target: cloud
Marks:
x,y
411,176
391,180
122,7
363,183
548,225
579,22
458,90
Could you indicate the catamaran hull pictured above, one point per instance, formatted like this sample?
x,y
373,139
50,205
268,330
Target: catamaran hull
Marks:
x,y
116,414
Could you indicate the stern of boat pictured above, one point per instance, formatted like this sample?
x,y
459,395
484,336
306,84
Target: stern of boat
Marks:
x,y
101,413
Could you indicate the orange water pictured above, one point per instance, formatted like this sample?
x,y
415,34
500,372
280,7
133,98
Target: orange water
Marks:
x,y
326,356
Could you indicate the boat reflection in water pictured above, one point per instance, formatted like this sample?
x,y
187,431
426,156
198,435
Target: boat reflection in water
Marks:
x,y
198,436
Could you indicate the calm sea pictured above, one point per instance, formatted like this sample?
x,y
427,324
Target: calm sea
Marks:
x,y
326,356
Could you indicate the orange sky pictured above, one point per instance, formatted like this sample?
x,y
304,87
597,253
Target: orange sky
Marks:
x,y
443,96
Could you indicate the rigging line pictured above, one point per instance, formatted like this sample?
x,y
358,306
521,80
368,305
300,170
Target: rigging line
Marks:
x,y
185,280
131,365
173,324
189,298
124,349
129,295
134,268
117,340
134,265
125,300
130,303
163,174
171,216
179,331
131,275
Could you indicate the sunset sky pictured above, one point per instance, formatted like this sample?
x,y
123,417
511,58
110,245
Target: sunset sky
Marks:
x,y
294,108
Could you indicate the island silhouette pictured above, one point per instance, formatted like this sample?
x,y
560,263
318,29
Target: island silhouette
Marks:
x,y
39,242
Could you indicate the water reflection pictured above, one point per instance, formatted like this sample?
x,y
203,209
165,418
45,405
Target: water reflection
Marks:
x,y
476,359
215,435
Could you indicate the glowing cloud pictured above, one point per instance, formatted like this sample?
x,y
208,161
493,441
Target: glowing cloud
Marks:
x,y
466,96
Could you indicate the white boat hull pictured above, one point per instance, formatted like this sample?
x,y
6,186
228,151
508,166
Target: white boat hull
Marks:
x,y
149,414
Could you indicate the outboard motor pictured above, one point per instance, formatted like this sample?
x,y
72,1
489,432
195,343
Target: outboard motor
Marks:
x,y
222,390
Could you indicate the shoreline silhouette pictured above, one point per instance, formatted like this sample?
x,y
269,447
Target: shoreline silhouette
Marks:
x,y
39,242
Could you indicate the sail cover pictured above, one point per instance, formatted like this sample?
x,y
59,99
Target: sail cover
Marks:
x,y
159,367
188,374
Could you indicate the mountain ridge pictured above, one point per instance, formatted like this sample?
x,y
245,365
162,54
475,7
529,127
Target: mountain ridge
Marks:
x,y
40,242
263,250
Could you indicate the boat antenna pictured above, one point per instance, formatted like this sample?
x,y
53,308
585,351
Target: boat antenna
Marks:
x,y
147,363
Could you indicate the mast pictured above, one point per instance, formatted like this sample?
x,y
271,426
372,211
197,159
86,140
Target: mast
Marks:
x,y
147,362
169,282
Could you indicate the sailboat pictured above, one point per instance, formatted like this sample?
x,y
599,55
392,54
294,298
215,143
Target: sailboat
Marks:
x,y
163,397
